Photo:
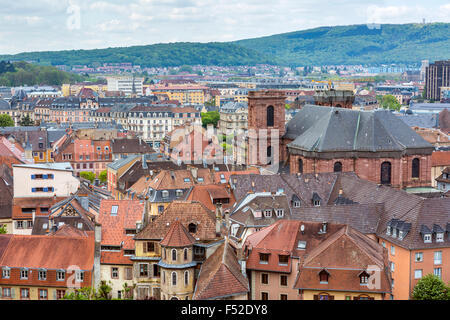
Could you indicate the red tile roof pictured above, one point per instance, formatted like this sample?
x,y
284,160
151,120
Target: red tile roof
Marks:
x,y
207,193
177,236
440,158
111,257
113,226
221,276
49,252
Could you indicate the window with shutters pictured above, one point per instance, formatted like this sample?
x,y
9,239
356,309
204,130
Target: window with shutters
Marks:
x,y
128,273
6,292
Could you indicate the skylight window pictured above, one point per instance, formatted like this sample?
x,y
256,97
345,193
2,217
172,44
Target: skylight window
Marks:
x,y
114,210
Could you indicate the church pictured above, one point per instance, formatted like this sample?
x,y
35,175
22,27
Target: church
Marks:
x,y
376,145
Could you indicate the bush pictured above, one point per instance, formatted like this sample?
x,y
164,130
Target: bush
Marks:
x,y
103,176
88,176
431,287
6,120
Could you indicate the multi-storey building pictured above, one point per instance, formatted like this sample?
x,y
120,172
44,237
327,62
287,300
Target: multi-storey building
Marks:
x,y
437,76
128,85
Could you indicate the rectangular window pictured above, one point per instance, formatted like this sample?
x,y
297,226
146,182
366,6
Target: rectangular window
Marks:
x,y
6,292
283,281
25,293
128,273
6,273
60,275
393,250
419,257
24,274
438,257
42,274
438,272
263,258
392,266
418,274
264,278
60,294
264,296
43,294
283,260
114,273
143,270
268,213
283,297
79,276
114,210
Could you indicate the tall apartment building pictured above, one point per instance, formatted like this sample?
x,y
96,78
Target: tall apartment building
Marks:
x,y
437,76
128,85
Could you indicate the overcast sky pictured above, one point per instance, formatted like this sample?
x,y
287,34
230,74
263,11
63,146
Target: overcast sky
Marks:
x,y
40,25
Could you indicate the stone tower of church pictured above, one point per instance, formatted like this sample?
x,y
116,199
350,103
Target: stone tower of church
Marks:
x,y
266,126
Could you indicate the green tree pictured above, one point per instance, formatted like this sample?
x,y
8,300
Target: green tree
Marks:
x,y
103,176
431,287
88,176
6,120
211,117
104,291
3,229
26,121
390,102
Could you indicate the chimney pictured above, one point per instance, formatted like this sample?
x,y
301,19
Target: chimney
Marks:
x,y
324,227
33,215
97,254
227,219
243,267
194,172
218,218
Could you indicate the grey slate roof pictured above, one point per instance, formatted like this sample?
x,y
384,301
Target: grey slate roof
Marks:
x,y
232,107
329,129
421,120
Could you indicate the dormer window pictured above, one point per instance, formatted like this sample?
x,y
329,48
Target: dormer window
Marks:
x,y
296,204
316,203
165,194
388,230
364,278
323,276
280,213
401,235
394,233
427,238
440,237
179,193
268,213
264,258
283,260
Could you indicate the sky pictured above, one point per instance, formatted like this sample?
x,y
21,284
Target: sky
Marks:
x,y
47,25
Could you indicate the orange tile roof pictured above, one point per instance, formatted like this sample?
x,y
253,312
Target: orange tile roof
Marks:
x,y
113,226
221,276
207,193
177,236
111,257
440,158
49,252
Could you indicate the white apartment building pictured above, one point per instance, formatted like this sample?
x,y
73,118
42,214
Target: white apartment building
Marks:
x,y
125,84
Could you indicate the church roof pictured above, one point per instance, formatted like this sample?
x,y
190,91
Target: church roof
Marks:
x,y
177,236
329,129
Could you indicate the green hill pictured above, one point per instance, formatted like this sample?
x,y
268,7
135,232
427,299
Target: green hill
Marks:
x,y
357,44
157,55
22,73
